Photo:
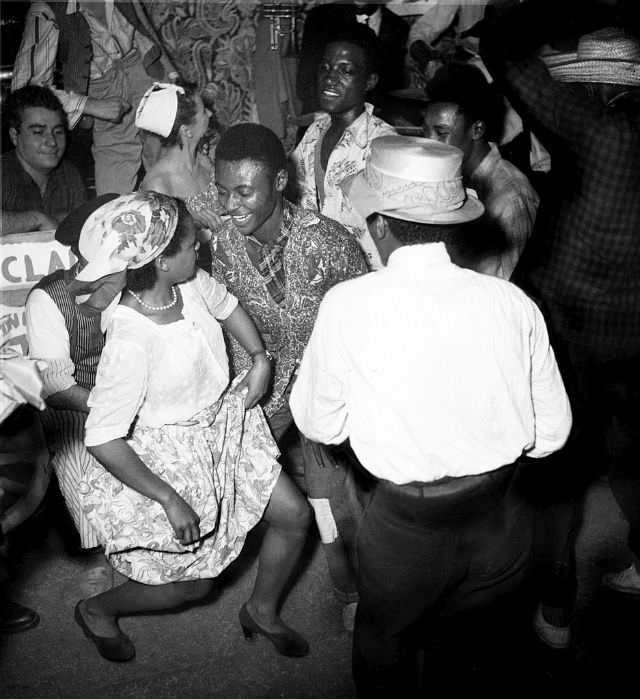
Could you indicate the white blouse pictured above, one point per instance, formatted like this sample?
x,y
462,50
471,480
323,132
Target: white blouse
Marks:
x,y
163,374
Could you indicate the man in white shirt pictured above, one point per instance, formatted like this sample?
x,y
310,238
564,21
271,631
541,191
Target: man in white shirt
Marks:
x,y
71,344
441,378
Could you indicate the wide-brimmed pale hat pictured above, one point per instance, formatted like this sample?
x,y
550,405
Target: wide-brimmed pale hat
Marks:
x,y
158,108
415,179
609,55
125,233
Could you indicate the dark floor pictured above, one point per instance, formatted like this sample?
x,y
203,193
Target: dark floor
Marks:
x,y
200,652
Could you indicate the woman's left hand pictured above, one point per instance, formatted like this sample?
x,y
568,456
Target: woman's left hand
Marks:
x,y
256,381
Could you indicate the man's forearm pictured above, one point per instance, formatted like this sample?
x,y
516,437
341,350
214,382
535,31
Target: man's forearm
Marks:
x,y
24,222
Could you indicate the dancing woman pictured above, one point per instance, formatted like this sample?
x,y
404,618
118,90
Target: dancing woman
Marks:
x,y
187,465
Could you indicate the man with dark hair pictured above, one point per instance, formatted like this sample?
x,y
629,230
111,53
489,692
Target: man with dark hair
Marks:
x,y
325,20
464,111
39,187
442,379
107,57
280,260
337,143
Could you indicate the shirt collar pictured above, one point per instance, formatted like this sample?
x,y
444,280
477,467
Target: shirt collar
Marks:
x,y
285,228
419,255
360,135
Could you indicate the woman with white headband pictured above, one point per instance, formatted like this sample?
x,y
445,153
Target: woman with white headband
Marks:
x,y
178,115
187,465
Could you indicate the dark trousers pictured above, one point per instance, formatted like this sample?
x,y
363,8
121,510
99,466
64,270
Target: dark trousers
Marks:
x,y
447,553
605,439
327,481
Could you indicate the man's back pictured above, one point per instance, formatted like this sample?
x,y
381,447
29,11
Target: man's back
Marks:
x,y
438,361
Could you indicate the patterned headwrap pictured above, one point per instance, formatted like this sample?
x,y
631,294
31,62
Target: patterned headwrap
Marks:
x,y
123,234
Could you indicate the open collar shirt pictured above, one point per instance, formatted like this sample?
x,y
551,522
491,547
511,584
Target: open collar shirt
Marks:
x,y
65,190
347,158
510,204
431,370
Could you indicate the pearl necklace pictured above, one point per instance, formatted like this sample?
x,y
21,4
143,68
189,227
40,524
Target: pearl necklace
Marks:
x,y
173,302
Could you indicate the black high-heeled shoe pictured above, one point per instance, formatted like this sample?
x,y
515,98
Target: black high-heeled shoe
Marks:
x,y
118,649
287,642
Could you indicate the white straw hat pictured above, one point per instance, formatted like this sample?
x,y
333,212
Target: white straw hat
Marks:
x,y
415,179
609,55
158,108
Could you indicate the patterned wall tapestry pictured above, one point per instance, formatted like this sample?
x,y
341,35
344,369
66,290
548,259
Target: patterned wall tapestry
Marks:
x,y
211,43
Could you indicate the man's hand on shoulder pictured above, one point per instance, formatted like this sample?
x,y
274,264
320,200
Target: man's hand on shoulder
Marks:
x,y
110,109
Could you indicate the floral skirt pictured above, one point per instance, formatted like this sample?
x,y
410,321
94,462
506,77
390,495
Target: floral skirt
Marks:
x,y
222,462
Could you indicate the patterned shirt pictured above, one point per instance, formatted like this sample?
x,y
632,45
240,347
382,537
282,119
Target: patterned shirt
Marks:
x,y
583,260
271,262
346,159
318,254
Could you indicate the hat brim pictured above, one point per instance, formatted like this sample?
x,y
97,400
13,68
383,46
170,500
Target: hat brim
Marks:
x,y
612,71
368,201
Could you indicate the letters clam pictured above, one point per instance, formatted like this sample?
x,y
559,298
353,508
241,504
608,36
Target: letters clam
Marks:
x,y
24,261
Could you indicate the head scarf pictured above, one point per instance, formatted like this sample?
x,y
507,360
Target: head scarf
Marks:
x,y
158,108
125,233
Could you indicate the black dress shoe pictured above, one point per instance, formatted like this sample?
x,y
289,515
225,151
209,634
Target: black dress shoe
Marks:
x,y
287,642
15,618
118,649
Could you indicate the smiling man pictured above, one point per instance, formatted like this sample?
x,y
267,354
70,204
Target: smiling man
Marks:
x,y
280,260
337,144
39,188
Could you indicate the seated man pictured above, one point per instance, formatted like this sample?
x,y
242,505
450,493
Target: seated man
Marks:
x,y
337,143
441,378
280,260
70,343
463,111
39,187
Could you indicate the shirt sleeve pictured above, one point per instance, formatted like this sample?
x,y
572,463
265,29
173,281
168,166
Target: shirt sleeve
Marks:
x,y
348,260
48,339
220,302
302,160
438,16
551,408
36,58
121,385
565,110
317,399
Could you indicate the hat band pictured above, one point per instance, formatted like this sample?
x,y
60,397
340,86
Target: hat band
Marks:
x,y
440,196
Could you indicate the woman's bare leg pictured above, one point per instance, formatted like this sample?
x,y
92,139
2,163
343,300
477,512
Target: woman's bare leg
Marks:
x,y
101,613
288,515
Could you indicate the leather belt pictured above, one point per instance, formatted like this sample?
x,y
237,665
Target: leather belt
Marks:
x,y
448,485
